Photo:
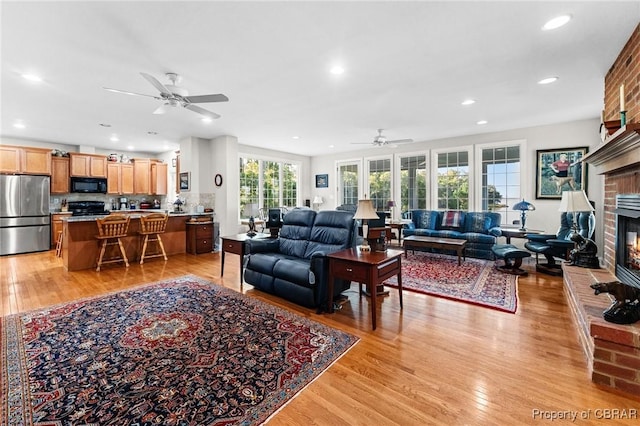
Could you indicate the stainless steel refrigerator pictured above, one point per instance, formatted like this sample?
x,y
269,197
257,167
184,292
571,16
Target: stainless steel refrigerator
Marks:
x,y
25,224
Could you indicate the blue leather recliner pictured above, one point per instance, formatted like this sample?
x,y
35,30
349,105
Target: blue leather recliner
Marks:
x,y
559,244
294,266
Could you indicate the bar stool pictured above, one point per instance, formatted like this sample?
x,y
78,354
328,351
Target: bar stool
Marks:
x,y
59,244
110,229
151,226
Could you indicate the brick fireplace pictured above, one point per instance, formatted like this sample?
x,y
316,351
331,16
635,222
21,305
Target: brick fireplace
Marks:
x,y
612,350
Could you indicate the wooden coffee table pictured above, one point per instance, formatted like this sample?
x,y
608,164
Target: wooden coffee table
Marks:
x,y
413,242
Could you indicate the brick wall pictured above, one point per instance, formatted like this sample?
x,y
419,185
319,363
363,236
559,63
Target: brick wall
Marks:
x,y
625,70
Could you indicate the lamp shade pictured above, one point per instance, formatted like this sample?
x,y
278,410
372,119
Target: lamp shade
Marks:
x,y
523,206
575,201
317,200
365,210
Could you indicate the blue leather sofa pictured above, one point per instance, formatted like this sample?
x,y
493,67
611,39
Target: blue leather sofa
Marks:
x,y
294,266
480,229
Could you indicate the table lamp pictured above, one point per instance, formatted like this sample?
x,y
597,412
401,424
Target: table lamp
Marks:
x,y
317,200
523,206
364,212
574,202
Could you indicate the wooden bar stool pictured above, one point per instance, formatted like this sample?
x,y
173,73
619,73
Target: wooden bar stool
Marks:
x,y
59,244
110,229
151,226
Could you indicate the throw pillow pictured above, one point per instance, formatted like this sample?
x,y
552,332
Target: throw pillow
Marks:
x,y
452,219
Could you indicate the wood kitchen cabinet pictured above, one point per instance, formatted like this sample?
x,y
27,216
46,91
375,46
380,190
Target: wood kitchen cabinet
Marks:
x,y
158,178
27,160
141,175
120,178
88,165
59,175
200,237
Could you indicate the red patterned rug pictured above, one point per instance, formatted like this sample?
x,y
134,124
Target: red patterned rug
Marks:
x,y
178,352
475,281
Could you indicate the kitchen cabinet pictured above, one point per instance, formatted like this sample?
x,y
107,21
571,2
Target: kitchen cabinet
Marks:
x,y
59,175
120,178
158,178
88,165
56,226
25,160
200,237
141,175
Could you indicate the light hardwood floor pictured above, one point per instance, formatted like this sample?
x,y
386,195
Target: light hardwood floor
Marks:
x,y
436,362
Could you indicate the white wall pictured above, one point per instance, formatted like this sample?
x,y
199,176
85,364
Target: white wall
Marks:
x,y
557,136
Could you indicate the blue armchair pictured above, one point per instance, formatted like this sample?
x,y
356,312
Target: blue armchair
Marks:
x,y
559,244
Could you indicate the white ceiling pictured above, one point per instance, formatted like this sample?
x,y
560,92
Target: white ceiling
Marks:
x,y
408,66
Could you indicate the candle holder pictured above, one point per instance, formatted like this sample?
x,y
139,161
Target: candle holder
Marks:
x,y
623,118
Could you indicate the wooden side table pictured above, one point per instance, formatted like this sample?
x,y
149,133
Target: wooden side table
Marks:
x,y
236,244
369,268
509,233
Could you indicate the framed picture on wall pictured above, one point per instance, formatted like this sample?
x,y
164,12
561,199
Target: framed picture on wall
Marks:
x,y
322,181
184,181
559,170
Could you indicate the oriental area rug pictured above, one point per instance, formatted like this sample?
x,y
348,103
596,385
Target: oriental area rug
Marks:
x,y
475,281
178,352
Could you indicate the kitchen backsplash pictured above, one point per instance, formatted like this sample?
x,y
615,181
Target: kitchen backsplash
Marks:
x,y
55,202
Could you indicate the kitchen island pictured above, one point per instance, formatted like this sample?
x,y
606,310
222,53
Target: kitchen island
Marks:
x,y
80,247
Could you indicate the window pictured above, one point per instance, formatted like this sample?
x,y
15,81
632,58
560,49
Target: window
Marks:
x,y
348,183
380,183
413,183
266,184
452,179
501,180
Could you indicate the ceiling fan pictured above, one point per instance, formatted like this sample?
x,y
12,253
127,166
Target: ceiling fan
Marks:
x,y
173,96
381,140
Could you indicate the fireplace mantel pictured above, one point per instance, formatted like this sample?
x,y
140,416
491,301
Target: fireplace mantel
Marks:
x,y
621,150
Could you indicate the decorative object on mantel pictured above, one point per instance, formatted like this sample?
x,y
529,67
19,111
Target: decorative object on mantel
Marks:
x,y
364,212
623,110
585,254
523,206
626,308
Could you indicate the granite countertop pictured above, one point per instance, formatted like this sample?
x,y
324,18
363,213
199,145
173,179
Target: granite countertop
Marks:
x,y
134,214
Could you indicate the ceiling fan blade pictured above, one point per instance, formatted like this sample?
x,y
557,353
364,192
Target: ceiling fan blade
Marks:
x,y
361,143
130,93
151,79
400,141
162,109
219,97
202,111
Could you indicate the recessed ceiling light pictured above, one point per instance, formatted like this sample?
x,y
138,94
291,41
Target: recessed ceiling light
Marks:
x,y
337,70
105,125
468,102
207,120
556,22
332,146
32,77
295,137
19,125
482,122
548,80
114,138
130,147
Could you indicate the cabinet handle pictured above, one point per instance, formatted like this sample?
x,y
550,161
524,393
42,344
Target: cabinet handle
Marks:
x,y
349,270
204,241
204,228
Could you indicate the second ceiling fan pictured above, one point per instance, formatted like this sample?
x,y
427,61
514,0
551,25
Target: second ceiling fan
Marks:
x,y
174,96
382,140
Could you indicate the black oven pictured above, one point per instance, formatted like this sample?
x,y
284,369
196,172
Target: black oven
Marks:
x,y
89,185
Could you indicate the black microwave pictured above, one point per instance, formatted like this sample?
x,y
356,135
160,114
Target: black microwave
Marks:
x,y
89,185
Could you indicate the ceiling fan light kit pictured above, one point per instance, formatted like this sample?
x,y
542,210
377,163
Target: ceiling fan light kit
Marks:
x,y
173,96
